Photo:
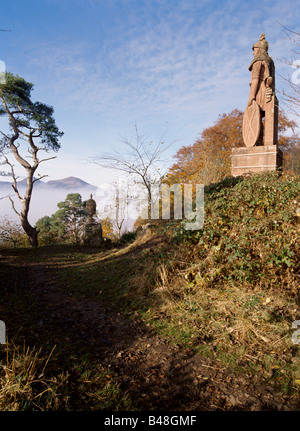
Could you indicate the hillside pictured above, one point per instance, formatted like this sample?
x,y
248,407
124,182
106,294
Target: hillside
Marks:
x,y
73,183
176,320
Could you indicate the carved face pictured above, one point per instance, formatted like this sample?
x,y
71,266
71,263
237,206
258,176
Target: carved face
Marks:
x,y
256,50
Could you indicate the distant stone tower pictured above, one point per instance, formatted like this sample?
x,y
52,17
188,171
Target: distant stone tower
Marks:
x,y
91,208
92,230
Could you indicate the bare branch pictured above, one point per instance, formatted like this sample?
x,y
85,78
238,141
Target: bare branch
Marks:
x,y
288,30
291,98
39,178
49,158
4,197
15,184
13,206
141,160
4,135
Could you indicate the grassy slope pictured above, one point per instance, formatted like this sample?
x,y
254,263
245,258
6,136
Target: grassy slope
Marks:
x,y
230,291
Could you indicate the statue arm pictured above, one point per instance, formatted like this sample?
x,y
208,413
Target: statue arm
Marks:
x,y
255,74
253,90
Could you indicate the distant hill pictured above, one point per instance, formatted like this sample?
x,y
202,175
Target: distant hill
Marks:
x,y
45,195
4,184
69,183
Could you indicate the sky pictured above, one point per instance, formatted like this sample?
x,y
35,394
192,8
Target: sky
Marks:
x,y
167,66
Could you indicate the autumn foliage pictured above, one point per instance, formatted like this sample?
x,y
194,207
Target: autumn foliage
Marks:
x,y
208,160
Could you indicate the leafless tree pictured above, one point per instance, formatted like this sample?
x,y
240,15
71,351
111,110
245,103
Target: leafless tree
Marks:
x,y
142,159
291,97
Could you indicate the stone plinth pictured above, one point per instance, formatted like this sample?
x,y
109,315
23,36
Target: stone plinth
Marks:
x,y
91,234
255,159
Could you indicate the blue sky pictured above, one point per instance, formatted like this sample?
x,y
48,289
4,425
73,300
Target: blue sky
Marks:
x,y
165,65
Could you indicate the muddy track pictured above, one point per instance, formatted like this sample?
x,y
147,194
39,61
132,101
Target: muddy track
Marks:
x,y
157,376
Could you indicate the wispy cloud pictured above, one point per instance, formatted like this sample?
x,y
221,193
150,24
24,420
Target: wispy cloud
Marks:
x,y
184,64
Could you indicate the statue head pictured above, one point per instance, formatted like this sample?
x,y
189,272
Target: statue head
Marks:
x,y
261,45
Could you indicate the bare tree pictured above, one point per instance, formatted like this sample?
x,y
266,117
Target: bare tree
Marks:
x,y
142,160
116,203
291,97
28,121
120,209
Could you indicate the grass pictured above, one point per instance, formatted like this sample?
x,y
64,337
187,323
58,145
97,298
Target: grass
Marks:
x,y
229,292
248,330
30,381
238,330
50,377
24,385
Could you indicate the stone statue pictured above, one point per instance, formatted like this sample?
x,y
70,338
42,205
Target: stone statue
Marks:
x,y
91,234
260,122
91,208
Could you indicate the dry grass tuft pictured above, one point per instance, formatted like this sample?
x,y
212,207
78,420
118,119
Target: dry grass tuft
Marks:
x,y
23,385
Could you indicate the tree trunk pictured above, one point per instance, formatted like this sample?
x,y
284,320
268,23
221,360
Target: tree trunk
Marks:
x,y
31,232
149,201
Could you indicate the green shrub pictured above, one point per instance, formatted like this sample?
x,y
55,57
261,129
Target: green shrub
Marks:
x,y
128,237
250,232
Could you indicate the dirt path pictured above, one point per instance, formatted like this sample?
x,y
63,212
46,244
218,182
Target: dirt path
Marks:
x,y
156,375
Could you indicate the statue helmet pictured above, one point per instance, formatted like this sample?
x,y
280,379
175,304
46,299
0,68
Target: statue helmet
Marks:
x,y
261,43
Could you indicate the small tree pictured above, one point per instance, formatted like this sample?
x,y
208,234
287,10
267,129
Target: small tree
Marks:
x,y
11,233
108,229
72,215
65,224
141,160
49,230
119,209
30,122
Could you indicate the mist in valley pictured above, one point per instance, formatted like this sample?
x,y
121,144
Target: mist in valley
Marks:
x,y
45,197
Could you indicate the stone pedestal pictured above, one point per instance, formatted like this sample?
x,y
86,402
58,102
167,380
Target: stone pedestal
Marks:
x,y
91,234
255,159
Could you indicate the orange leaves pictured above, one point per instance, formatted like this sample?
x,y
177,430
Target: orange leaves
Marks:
x,y
208,159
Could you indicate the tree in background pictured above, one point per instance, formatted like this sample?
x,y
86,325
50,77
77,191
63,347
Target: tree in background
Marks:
x,y
119,205
51,230
72,215
11,233
108,229
291,97
141,160
65,224
122,194
292,158
30,122
208,160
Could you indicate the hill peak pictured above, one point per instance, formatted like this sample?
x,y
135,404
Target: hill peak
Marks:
x,y
68,182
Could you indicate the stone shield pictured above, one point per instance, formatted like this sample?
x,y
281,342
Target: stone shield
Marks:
x,y
251,124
